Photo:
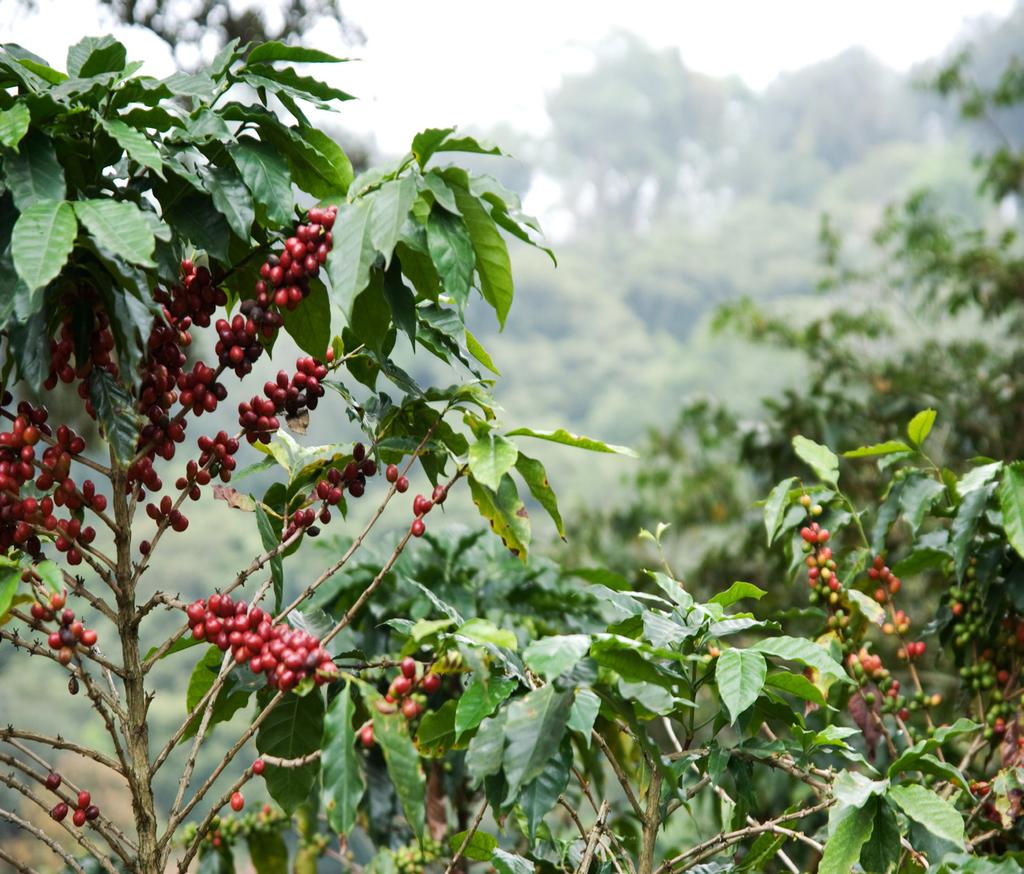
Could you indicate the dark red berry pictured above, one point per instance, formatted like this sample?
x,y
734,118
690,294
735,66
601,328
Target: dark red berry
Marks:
x,y
391,473
408,667
59,811
402,484
237,801
258,767
418,528
431,683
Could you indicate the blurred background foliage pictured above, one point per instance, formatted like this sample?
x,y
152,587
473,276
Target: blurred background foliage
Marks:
x,y
826,257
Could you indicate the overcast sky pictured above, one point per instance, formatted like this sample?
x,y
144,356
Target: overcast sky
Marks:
x,y
477,63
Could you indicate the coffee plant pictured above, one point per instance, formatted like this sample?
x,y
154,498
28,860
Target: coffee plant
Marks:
x,y
139,216
464,702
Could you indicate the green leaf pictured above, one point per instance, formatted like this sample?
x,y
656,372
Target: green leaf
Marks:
x,y
796,684
509,863
846,839
287,82
484,631
883,850
479,701
889,447
115,411
492,262
267,851
820,459
294,728
270,539
232,199
433,140
805,652
14,124
119,227
920,426
869,608
536,479
474,347
267,177
578,442
484,756
309,325
41,241
552,656
94,55
916,498
436,733
965,524
342,777
389,208
1011,502
775,507
138,146
9,579
504,512
267,52
737,592
491,458
534,729
480,848
403,763
451,250
33,173
50,573
538,797
740,676
585,707
323,169
353,254
927,808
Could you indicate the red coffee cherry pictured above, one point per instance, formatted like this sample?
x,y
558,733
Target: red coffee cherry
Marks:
x,y
417,528
59,811
258,767
237,801
401,485
408,666
52,781
391,473
366,735
84,800
78,818
410,708
92,812
431,683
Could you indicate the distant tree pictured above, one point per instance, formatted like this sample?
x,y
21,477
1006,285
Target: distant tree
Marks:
x,y
631,133
198,23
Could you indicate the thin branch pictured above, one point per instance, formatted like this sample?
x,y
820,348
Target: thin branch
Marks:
x,y
473,826
595,835
48,767
40,835
79,650
20,867
719,842
620,775
59,743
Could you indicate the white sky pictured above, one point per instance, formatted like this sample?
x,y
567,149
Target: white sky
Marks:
x,y
475,63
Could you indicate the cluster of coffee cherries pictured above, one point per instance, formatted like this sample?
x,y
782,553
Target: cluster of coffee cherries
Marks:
x,y
23,518
71,632
85,810
422,505
284,283
417,858
406,694
100,346
300,392
165,513
226,830
286,655
821,566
